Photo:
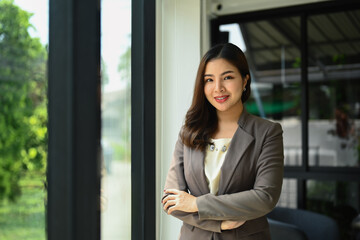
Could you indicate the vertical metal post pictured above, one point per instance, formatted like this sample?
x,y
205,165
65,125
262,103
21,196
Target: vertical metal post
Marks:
x,y
74,120
143,120
304,111
214,32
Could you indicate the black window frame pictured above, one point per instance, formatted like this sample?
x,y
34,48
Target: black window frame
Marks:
x,y
143,111
74,93
304,172
73,210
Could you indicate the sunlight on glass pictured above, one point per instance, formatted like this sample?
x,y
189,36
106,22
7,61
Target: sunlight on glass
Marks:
x,y
116,117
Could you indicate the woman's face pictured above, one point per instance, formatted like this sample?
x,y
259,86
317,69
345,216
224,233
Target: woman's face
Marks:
x,y
224,85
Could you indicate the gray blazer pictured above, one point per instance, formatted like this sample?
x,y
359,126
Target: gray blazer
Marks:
x,y
249,188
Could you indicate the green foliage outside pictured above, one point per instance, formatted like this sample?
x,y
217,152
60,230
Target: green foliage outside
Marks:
x,y
116,113
25,219
121,151
23,114
125,69
121,147
23,127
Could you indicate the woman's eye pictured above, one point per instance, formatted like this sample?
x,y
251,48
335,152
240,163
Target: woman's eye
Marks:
x,y
228,77
208,80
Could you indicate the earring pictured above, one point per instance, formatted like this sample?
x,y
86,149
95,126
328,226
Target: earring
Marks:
x,y
244,89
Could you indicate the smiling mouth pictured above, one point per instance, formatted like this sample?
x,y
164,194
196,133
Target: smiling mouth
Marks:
x,y
221,99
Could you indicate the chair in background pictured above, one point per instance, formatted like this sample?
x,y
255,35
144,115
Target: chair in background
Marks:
x,y
314,225
282,231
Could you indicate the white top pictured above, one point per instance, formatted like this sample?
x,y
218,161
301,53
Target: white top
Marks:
x,y
215,156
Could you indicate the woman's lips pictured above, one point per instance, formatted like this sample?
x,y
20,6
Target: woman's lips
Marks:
x,y
221,99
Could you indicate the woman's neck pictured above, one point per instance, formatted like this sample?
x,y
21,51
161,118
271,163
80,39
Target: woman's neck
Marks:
x,y
230,116
227,123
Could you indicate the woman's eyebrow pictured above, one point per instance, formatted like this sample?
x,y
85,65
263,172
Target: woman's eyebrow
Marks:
x,y
208,75
224,73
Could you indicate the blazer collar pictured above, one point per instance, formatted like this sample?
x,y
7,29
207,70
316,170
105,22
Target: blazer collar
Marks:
x,y
243,118
198,172
239,143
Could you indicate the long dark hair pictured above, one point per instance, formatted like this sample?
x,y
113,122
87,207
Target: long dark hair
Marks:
x,y
201,119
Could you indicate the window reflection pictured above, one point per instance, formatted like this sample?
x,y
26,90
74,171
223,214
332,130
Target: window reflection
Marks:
x,y
272,49
334,86
116,117
288,196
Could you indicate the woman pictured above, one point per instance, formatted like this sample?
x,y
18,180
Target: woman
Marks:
x,y
227,168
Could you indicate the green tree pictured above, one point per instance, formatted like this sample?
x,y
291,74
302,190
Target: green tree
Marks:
x,y
104,75
124,68
23,115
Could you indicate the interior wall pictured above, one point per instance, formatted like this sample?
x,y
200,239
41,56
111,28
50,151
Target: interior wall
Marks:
x,y
177,58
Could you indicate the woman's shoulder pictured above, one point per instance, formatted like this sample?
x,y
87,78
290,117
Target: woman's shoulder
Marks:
x,y
259,123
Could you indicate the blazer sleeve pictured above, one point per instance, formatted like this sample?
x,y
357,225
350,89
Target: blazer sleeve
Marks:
x,y
176,180
260,200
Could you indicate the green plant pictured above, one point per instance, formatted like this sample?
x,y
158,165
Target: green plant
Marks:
x,y
23,115
25,218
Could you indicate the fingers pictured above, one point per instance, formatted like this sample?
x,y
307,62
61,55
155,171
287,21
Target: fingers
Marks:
x,y
169,197
173,194
239,223
170,206
169,203
171,209
179,200
171,191
228,224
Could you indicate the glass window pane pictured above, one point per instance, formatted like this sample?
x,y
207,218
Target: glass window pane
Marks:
x,y
273,52
338,200
23,118
116,110
334,87
288,197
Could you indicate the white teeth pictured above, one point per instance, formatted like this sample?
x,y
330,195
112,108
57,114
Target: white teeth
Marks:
x,y
221,98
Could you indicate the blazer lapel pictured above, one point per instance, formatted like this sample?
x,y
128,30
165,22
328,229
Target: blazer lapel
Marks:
x,y
197,170
239,143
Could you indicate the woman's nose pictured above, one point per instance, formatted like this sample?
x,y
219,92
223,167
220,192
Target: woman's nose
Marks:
x,y
219,86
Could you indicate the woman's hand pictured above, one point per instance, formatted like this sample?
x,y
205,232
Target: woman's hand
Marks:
x,y
179,200
227,225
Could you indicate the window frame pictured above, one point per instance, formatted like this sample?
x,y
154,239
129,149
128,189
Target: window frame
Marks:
x,y
143,112
73,210
74,161
303,172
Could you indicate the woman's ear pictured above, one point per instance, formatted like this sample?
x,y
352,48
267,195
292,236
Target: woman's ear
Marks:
x,y
246,78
